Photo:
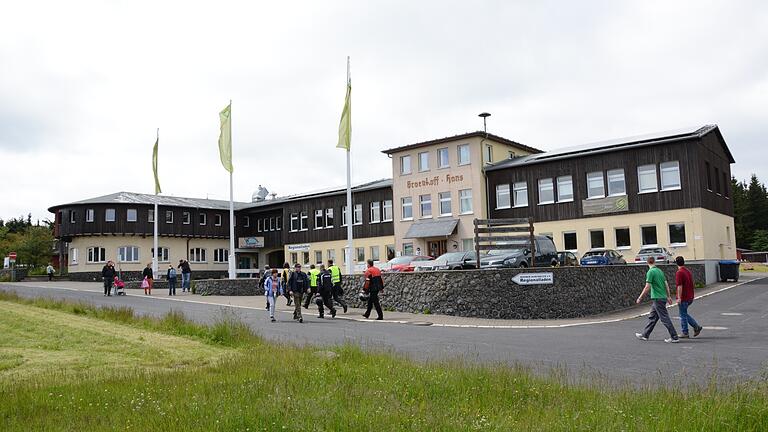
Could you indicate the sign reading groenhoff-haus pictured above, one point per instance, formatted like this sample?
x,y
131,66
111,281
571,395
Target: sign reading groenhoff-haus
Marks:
x,y
434,181
546,278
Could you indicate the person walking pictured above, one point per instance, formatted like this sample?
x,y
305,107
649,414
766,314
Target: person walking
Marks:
x,y
263,279
108,274
273,288
373,285
313,274
186,275
285,276
50,271
171,276
684,282
337,291
657,284
298,285
148,276
325,292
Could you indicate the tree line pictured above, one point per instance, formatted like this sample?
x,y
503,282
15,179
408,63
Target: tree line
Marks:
x,y
33,243
750,205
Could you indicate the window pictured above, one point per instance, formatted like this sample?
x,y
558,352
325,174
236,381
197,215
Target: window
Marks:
x,y
329,218
442,158
303,221
423,161
709,176
407,207
425,201
616,183
595,186
596,239
331,254
343,216
467,244
387,208
89,215
375,212
73,256
305,258
375,253
407,248
670,175
109,216
169,216
569,241
677,234
220,255
246,221
278,223
217,219
465,201
294,258
390,252
520,190
131,215
197,255
463,154
358,216
318,257
649,235
622,238
97,255
717,181
203,218
71,216
502,196
445,203
405,164
360,254
546,191
564,189
165,254
488,154
259,225
294,222
646,178
271,223
319,221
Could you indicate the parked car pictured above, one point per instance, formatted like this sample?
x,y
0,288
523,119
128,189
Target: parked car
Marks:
x,y
404,263
602,257
449,261
517,254
567,259
662,255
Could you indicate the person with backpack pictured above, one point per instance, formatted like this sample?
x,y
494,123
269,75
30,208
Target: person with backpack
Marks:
x,y
298,285
50,271
273,288
313,274
263,279
186,275
284,277
108,274
373,285
337,291
325,292
171,276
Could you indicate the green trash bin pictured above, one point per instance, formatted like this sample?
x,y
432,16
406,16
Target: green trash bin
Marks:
x,y
729,269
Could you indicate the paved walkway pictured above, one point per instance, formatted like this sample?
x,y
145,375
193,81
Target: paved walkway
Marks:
x,y
258,303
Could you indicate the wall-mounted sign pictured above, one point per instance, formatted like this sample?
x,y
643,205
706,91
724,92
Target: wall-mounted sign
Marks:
x,y
605,205
298,248
545,278
250,242
434,181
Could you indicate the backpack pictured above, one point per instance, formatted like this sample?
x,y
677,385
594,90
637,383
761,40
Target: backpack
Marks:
x,y
172,273
262,280
326,280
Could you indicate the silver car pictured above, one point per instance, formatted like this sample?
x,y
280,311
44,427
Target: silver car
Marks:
x,y
661,254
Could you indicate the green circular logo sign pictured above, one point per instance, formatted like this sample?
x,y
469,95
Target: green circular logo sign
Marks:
x,y
622,203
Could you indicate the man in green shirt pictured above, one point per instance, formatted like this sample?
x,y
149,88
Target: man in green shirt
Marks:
x,y
656,283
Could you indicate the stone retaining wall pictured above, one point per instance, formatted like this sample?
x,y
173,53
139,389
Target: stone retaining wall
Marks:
x,y
206,287
137,276
576,291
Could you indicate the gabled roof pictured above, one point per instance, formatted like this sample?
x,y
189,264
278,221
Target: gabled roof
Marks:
x,y
477,134
149,199
614,145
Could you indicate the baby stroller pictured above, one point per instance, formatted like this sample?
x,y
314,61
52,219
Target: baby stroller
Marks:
x,y
119,286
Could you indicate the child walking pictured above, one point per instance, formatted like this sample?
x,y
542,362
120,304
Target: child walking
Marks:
x,y
272,288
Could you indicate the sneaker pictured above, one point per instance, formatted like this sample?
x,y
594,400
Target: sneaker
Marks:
x,y
365,316
380,319
672,340
345,308
301,320
333,313
697,331
321,316
273,319
684,336
641,337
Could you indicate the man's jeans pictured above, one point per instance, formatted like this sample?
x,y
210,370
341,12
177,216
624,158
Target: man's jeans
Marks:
x,y
185,282
686,319
659,312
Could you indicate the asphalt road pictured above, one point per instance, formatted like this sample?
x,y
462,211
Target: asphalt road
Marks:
x,y
732,348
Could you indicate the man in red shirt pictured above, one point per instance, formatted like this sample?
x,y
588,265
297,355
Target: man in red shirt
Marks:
x,y
684,282
373,284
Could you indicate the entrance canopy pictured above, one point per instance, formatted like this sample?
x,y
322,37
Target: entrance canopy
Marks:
x,y
435,228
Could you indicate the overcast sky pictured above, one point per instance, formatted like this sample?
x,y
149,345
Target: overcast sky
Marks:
x,y
84,85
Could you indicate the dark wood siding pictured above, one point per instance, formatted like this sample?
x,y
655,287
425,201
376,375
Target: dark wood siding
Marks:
x,y
711,151
272,239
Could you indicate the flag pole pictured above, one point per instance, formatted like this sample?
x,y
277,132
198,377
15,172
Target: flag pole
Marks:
x,y
231,259
154,238
350,220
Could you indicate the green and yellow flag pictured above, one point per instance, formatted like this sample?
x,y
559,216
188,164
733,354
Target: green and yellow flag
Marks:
x,y
345,125
154,164
225,138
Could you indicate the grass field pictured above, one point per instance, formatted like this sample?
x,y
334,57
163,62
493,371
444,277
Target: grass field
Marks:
x,y
238,382
756,268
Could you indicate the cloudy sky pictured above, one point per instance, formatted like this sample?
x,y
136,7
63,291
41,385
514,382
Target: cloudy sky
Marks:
x,y
84,85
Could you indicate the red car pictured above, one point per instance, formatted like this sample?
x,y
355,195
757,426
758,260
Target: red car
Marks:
x,y
404,263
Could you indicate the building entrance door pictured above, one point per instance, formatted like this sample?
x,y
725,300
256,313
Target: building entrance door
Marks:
x,y
435,248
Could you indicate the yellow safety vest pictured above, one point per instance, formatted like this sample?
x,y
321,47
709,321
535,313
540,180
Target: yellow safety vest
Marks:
x,y
313,277
335,274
